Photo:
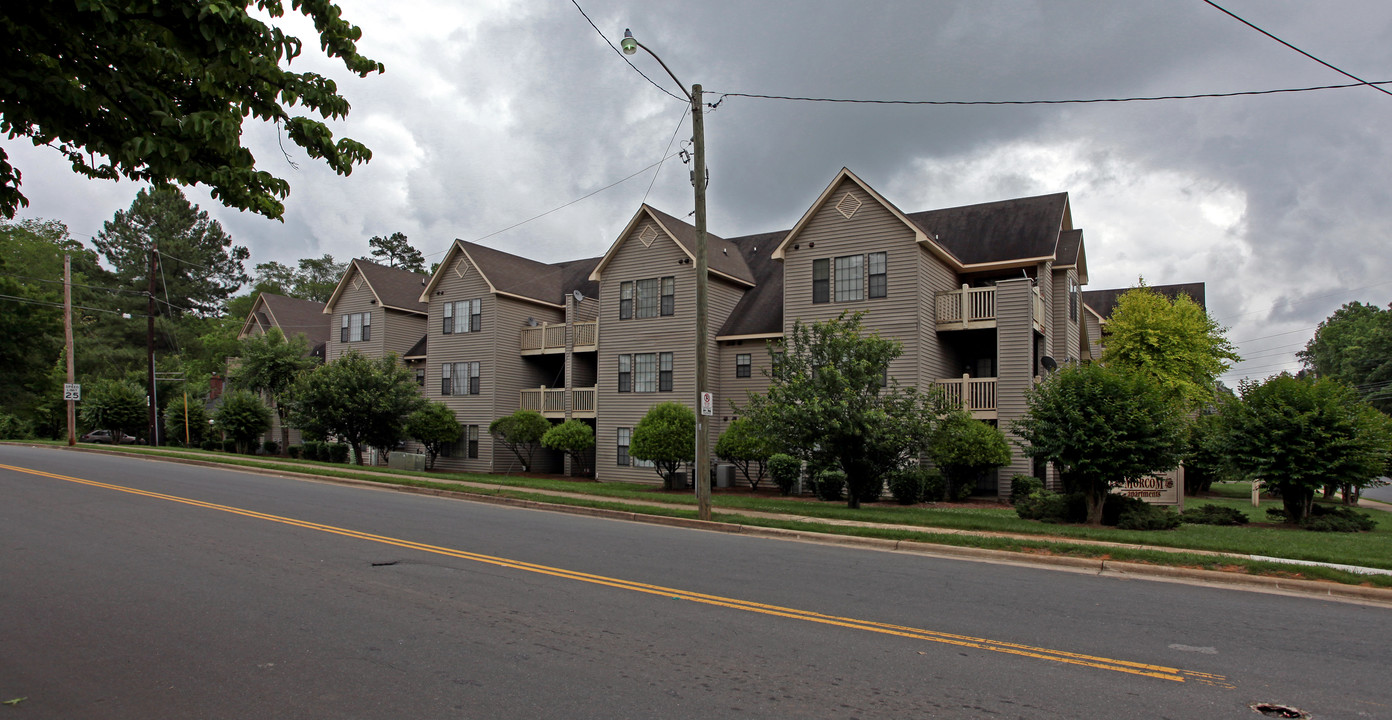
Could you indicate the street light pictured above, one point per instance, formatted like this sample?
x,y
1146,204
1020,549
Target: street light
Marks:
x,y
630,46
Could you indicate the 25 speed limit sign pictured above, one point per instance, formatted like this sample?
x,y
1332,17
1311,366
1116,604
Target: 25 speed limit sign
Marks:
x,y
72,391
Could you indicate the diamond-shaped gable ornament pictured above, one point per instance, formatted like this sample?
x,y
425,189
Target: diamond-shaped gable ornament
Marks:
x,y
648,236
848,206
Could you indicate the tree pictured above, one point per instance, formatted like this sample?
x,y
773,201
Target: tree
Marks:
x,y
1101,426
574,438
362,401
744,444
1354,345
1298,433
397,252
316,278
832,402
159,93
177,416
201,268
115,405
521,432
1174,342
433,426
270,364
31,297
243,417
666,436
964,448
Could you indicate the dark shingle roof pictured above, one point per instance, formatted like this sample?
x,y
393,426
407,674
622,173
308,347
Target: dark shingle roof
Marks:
x,y
1103,302
417,350
295,316
516,275
575,275
722,256
395,287
1069,242
998,231
760,311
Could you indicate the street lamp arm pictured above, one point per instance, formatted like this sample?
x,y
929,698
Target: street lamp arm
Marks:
x,y
628,37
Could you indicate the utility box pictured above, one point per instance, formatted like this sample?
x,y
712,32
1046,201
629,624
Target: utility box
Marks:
x,y
679,481
406,461
724,475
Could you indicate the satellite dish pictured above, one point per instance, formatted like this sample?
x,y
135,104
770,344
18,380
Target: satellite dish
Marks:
x,y
578,295
531,322
1048,363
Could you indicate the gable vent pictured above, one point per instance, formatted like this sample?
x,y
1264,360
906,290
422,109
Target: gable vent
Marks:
x,y
647,236
848,206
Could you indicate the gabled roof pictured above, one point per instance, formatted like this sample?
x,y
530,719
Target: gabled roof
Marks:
x,y
722,256
292,315
516,276
392,287
1103,302
760,311
1070,254
919,235
1003,232
417,351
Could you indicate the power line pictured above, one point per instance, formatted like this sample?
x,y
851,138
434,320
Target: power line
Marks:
x,y
680,121
625,57
45,303
1345,73
78,285
1086,101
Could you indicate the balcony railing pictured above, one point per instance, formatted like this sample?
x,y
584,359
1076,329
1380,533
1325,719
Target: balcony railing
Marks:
x,y
971,308
551,402
975,395
551,337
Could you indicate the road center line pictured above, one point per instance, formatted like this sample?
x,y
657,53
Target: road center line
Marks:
x,y
1122,666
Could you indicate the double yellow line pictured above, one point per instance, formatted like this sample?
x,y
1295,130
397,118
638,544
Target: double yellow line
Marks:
x,y
1122,666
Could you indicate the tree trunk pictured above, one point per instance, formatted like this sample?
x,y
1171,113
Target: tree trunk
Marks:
x,y
1096,501
357,453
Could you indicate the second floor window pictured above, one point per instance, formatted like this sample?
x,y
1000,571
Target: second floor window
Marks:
x,y
879,276
463,316
1073,292
461,378
647,298
850,278
645,372
471,435
625,434
821,280
743,365
355,327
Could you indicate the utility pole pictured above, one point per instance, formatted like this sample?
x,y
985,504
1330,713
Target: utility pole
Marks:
x,y
698,177
68,345
150,339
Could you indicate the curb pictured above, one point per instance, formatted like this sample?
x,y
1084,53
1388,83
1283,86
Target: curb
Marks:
x,y
1140,571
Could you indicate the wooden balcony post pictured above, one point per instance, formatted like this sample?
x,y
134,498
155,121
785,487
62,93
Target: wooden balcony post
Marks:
x,y
966,392
966,305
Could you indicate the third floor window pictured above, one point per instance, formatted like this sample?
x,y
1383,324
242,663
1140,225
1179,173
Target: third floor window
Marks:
x,y
647,298
355,327
850,277
463,316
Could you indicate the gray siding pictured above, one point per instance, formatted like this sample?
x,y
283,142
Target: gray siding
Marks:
x,y
1015,367
735,390
937,358
357,297
873,228
635,261
1044,278
401,332
1066,331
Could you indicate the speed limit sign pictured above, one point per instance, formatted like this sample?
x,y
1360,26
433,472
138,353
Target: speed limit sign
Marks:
x,y
72,391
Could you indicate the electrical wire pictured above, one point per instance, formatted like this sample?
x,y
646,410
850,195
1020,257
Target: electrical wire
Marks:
x,y
1345,73
1085,101
680,121
76,285
45,303
625,57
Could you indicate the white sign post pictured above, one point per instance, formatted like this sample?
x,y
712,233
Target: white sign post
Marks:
x,y
72,391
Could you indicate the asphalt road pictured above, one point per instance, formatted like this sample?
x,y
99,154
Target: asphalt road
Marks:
x,y
134,589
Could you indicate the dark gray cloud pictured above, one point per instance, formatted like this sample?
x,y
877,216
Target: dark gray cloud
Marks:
x,y
494,112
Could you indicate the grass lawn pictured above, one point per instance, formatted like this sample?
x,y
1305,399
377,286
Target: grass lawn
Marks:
x,y
1261,537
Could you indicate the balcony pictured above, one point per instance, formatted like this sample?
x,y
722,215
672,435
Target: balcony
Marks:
x,y
975,395
551,402
975,308
549,338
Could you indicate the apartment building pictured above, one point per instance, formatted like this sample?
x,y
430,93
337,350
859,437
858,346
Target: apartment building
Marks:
x,y
293,317
984,299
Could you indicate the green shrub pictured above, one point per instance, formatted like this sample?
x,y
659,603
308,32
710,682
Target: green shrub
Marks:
x,y
270,447
872,490
1148,517
1276,514
830,484
906,485
294,451
229,446
934,485
312,449
13,428
785,470
338,452
209,444
1214,515
1022,486
1325,518
1051,507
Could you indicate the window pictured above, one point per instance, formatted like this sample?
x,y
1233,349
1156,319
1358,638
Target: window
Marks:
x,y
645,372
742,365
420,376
821,280
355,327
777,363
471,432
669,295
625,300
879,280
469,314
647,298
460,378
625,434
664,372
625,373
1073,291
850,278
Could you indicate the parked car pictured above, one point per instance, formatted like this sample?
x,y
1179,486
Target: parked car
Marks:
x,y
106,436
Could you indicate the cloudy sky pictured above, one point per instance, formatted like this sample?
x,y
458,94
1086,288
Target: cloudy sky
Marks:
x,y
493,112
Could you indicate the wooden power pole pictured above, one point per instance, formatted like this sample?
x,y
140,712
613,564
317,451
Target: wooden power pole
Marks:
x,y
68,346
150,341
